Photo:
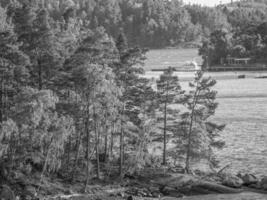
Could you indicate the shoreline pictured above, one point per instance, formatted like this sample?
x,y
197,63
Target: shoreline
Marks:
x,y
187,76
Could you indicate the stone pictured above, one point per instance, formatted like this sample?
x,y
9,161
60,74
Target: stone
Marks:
x,y
156,194
264,186
6,193
31,191
232,181
169,191
255,186
121,194
263,183
264,180
130,198
249,179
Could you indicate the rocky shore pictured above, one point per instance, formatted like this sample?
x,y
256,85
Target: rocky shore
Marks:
x,y
154,184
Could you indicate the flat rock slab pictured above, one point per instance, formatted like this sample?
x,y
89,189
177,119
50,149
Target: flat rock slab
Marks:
x,y
241,196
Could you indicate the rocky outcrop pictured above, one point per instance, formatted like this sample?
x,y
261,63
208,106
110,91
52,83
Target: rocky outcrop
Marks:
x,y
248,179
263,183
6,193
184,184
232,181
241,196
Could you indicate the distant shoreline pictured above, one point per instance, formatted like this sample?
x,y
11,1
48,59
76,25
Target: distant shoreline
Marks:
x,y
229,75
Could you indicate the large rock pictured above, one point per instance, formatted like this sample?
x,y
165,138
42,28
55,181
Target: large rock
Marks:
x,y
190,185
248,179
232,181
211,188
263,183
6,193
241,196
170,191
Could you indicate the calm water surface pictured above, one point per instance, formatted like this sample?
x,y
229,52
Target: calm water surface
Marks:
x,y
242,107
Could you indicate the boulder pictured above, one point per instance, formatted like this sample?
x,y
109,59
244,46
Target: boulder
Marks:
x,y
232,181
256,186
169,191
130,198
263,183
248,179
210,188
30,190
6,193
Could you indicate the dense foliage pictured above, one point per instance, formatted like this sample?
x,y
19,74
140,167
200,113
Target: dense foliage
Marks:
x,y
146,23
72,98
243,37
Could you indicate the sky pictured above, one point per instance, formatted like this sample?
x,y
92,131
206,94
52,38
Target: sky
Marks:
x,y
207,2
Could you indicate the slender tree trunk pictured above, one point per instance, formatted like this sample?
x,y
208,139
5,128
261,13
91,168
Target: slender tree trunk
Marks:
x,y
87,145
1,100
106,148
121,151
106,141
164,134
112,141
165,126
46,159
40,78
68,152
188,153
187,160
12,149
97,147
6,103
76,156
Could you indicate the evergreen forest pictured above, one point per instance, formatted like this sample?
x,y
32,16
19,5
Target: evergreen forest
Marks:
x,y
73,103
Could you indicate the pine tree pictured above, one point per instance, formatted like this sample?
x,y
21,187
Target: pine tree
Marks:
x,y
144,104
199,138
88,73
168,88
127,70
12,61
46,48
23,16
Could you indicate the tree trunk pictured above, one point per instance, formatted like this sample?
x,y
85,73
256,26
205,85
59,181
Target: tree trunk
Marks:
x,y
164,134
187,160
165,126
76,156
40,78
121,151
97,146
68,153
1,101
112,141
87,146
106,148
106,141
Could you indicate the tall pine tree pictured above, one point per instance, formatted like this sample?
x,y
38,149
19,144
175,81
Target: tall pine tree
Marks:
x,y
168,88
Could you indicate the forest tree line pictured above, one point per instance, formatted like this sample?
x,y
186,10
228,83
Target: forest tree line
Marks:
x,y
73,101
155,23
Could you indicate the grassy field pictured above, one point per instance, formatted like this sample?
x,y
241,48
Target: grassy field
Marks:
x,y
157,59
